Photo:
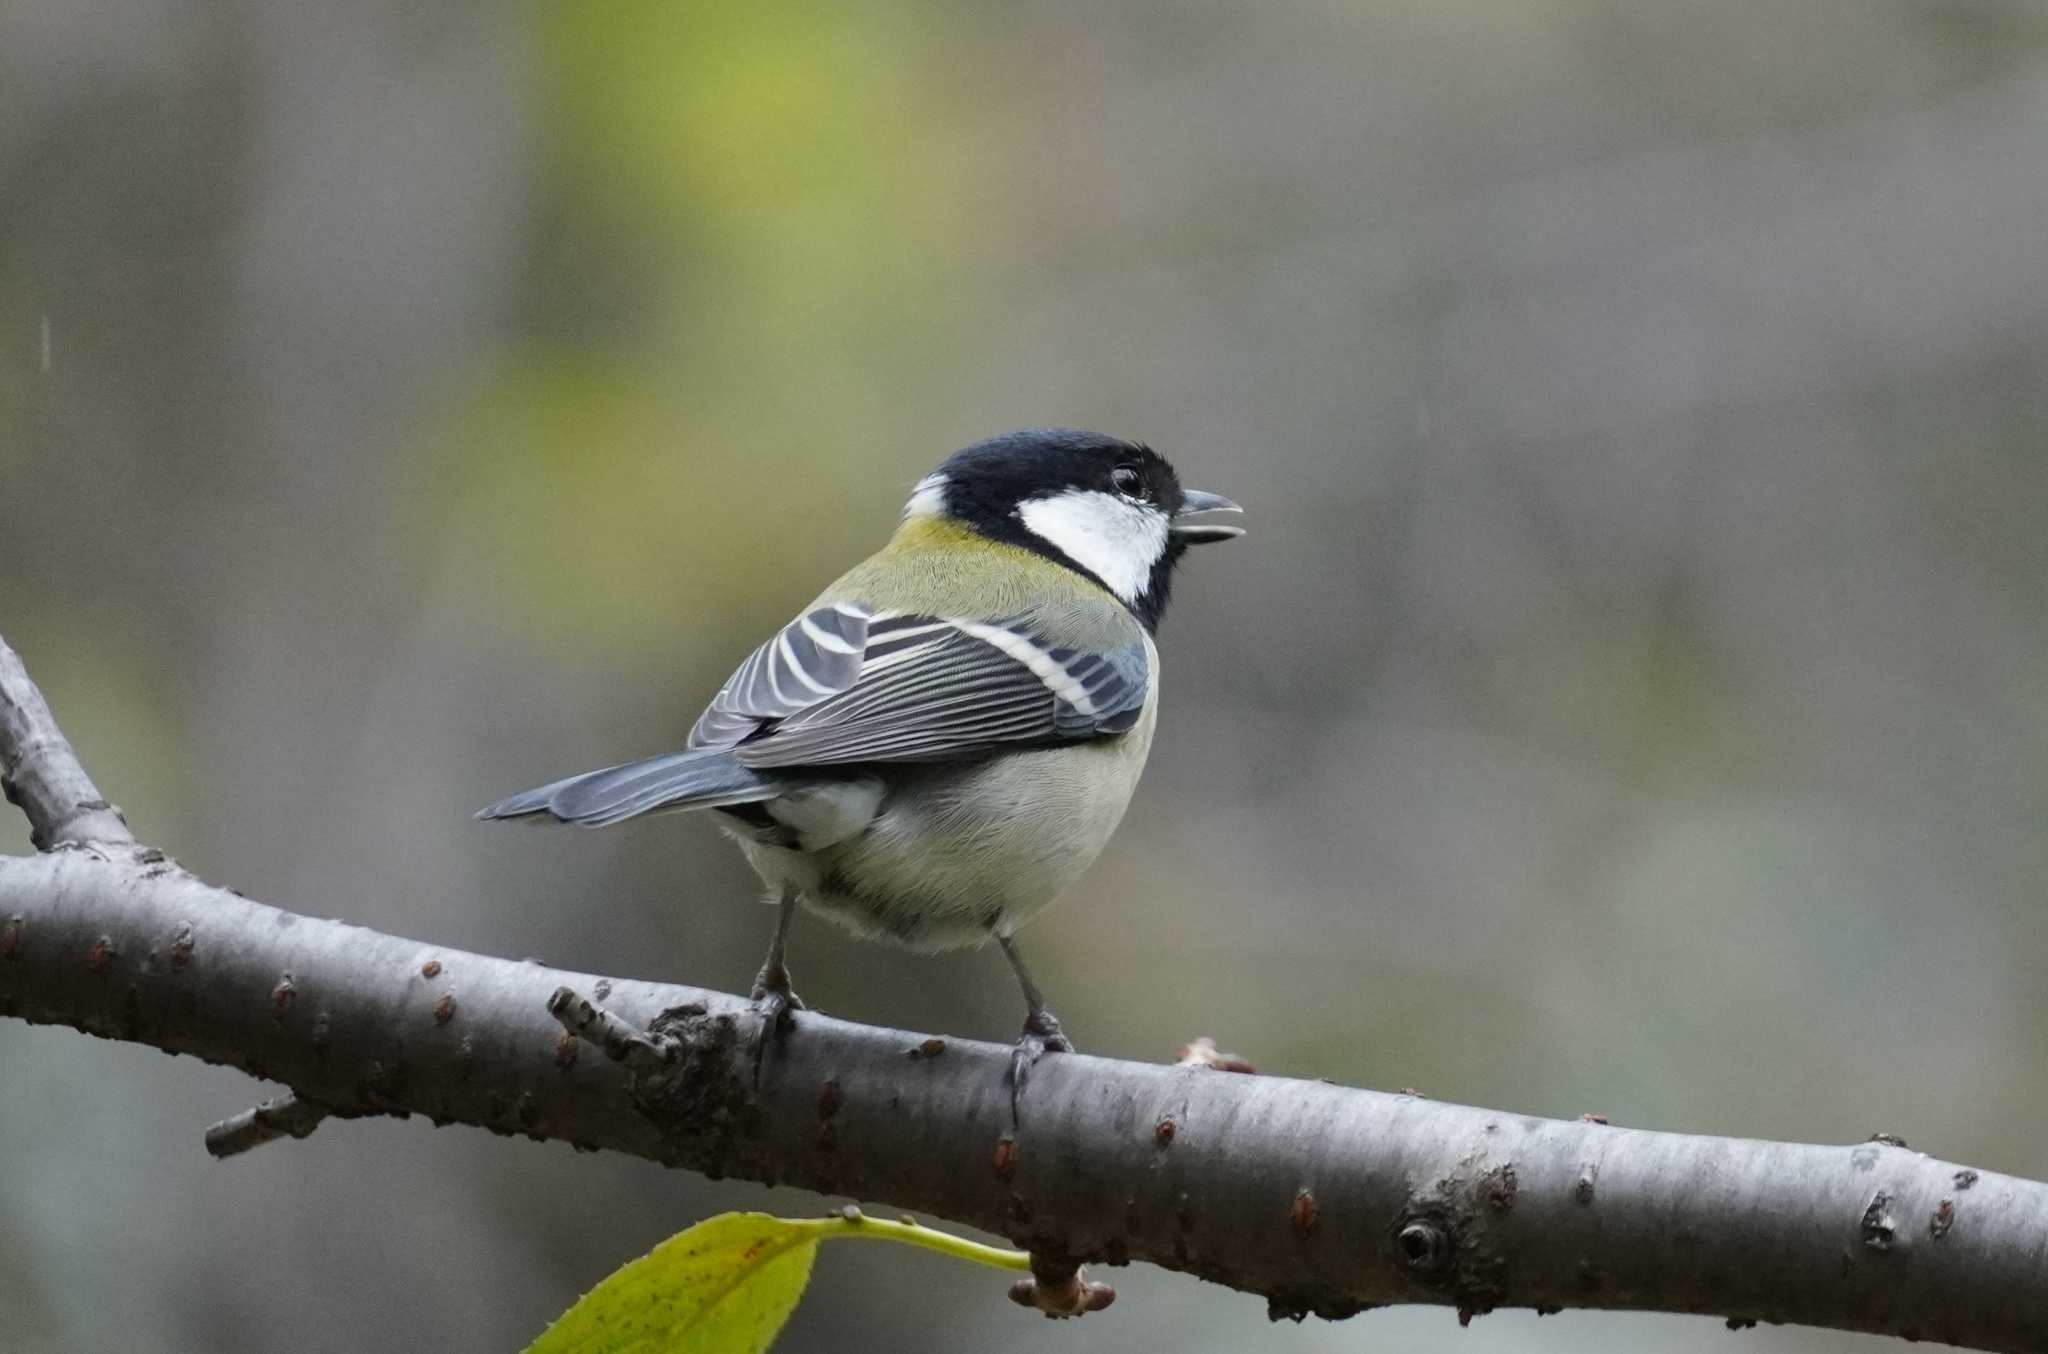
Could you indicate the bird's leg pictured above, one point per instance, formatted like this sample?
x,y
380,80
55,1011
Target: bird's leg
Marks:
x,y
771,984
1042,1032
772,996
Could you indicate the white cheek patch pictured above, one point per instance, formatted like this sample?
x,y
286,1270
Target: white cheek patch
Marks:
x,y
1116,540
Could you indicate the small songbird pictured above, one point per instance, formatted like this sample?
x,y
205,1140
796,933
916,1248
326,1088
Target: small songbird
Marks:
x,y
946,738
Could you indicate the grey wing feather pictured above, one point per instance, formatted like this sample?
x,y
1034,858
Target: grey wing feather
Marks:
x,y
841,684
938,690
1116,683
818,654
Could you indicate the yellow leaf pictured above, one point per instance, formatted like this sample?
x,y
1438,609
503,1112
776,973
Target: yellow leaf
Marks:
x,y
725,1286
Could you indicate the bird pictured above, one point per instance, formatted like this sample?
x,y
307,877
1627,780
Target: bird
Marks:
x,y
940,744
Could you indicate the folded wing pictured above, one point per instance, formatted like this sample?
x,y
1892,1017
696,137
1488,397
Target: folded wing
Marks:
x,y
842,684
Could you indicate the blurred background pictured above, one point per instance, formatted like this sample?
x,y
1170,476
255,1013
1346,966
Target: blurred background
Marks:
x,y
1630,697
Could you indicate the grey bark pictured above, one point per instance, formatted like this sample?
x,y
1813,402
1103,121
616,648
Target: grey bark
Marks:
x,y
40,773
1323,1199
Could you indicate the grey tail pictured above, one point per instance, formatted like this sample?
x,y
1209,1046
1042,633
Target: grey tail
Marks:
x,y
704,779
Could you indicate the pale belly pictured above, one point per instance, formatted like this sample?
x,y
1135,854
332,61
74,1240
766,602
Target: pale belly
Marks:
x,y
960,852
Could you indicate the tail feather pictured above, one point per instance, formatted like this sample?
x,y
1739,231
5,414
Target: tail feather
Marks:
x,y
676,780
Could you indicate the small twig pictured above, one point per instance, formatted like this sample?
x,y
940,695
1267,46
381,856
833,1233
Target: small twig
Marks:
x,y
1060,1289
621,1040
285,1117
40,773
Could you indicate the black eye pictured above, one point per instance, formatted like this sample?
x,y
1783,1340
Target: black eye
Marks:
x,y
1128,482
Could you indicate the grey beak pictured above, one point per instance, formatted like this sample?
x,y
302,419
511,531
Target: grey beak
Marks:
x,y
1201,533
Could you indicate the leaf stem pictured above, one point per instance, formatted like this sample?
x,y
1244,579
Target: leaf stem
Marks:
x,y
852,1222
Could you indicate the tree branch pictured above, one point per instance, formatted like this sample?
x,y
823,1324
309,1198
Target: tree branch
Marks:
x,y
40,773
1321,1198
285,1117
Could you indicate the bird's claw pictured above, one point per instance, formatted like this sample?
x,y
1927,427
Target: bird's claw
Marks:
x,y
775,1001
1042,1035
774,994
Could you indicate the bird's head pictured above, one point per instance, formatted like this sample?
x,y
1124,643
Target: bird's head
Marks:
x,y
1111,510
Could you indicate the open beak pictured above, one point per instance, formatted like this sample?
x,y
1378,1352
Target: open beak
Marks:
x,y
1200,533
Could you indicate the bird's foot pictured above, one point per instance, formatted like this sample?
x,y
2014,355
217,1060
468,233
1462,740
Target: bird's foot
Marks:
x,y
773,994
775,1001
1042,1035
